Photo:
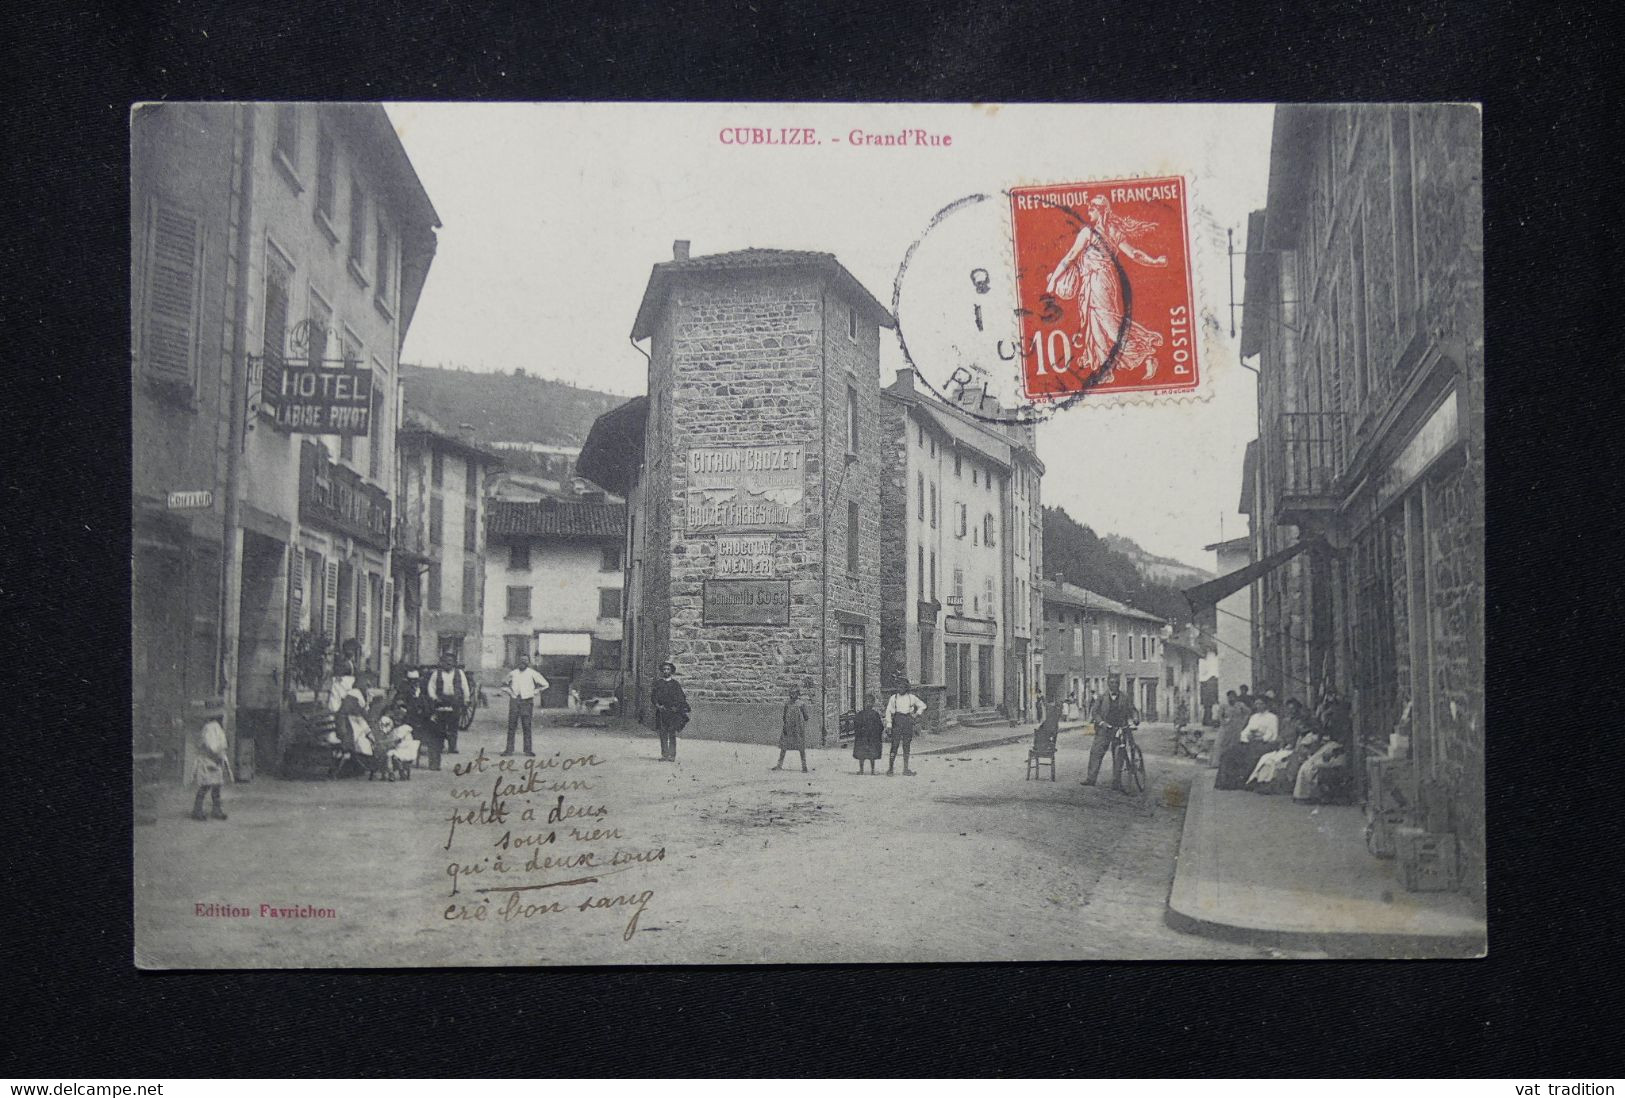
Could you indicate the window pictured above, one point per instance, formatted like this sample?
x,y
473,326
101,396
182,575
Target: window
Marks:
x,y
437,468
518,603
851,419
933,505
383,261
471,528
973,475
959,468
933,575
920,574
976,537
604,653
1094,641
352,360
959,587
1357,291
286,153
519,557
962,519
610,559
173,297
471,588
987,529
919,479
320,319
609,602
852,323
514,645
1077,642
1114,646
471,478
437,520
987,595
358,228
326,180
1402,159
1144,648
852,538
434,587
375,427
921,428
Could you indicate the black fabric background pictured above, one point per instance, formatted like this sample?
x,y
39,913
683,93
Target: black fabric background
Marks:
x,y
1534,1008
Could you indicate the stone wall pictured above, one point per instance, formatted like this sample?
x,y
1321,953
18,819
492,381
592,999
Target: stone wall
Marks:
x,y
898,503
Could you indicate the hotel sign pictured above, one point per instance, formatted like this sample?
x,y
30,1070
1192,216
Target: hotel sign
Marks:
x,y
746,489
745,602
320,401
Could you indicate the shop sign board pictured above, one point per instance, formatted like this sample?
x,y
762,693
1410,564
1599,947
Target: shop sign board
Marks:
x,y
738,556
1438,433
745,602
973,627
745,489
198,500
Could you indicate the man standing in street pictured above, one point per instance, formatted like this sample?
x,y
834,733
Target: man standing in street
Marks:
x,y
524,683
1114,712
448,693
671,710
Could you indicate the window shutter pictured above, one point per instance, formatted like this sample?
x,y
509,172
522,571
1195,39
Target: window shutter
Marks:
x,y
363,592
388,618
296,585
330,601
173,294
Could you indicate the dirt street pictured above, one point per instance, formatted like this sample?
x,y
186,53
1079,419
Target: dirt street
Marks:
x,y
717,859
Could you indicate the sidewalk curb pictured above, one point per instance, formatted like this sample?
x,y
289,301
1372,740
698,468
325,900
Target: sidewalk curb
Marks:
x,y
1337,944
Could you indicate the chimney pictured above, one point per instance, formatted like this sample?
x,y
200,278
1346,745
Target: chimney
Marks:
x,y
905,379
679,249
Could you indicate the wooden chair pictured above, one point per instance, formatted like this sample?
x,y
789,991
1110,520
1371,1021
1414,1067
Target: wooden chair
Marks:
x,y
1040,755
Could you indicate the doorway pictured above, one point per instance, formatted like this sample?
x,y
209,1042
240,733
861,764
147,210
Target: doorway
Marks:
x,y
261,609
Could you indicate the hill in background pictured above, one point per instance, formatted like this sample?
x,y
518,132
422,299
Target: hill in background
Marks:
x,y
1080,556
506,407
1157,569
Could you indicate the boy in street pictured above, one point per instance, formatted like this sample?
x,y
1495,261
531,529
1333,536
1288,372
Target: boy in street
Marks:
x,y
903,710
671,710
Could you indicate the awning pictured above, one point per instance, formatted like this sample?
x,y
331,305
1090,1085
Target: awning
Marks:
x,y
1208,594
563,644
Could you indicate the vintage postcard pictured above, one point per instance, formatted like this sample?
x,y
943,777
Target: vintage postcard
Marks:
x,y
627,534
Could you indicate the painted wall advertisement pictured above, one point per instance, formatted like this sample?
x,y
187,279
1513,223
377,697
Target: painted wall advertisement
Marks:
x,y
745,489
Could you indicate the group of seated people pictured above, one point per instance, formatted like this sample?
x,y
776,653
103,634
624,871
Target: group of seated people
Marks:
x,y
1294,752
372,735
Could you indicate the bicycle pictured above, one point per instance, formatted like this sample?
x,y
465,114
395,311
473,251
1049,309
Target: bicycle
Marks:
x,y
1128,760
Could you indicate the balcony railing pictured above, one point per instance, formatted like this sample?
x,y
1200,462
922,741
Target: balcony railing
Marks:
x,y
1310,453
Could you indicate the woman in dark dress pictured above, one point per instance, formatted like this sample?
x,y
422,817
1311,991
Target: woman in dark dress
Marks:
x,y
869,728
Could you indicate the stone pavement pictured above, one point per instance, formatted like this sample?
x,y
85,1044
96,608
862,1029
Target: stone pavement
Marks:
x,y
1270,872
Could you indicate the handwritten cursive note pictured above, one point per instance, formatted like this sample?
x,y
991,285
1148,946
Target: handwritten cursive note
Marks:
x,y
532,837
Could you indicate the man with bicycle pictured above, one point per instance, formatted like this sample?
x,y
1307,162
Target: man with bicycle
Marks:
x,y
1113,712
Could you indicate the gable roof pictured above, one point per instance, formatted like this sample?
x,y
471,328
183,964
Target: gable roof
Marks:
x,y
751,259
550,519
1073,595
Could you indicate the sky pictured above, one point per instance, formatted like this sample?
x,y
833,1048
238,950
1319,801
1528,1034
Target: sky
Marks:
x,y
553,215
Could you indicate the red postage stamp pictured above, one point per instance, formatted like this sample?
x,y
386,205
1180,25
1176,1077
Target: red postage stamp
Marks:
x,y
1103,277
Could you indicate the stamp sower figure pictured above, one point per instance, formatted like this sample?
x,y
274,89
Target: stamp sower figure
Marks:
x,y
448,693
868,729
524,683
671,710
793,737
211,770
903,710
1115,712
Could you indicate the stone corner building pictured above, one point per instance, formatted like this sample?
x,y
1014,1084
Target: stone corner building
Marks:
x,y
751,473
